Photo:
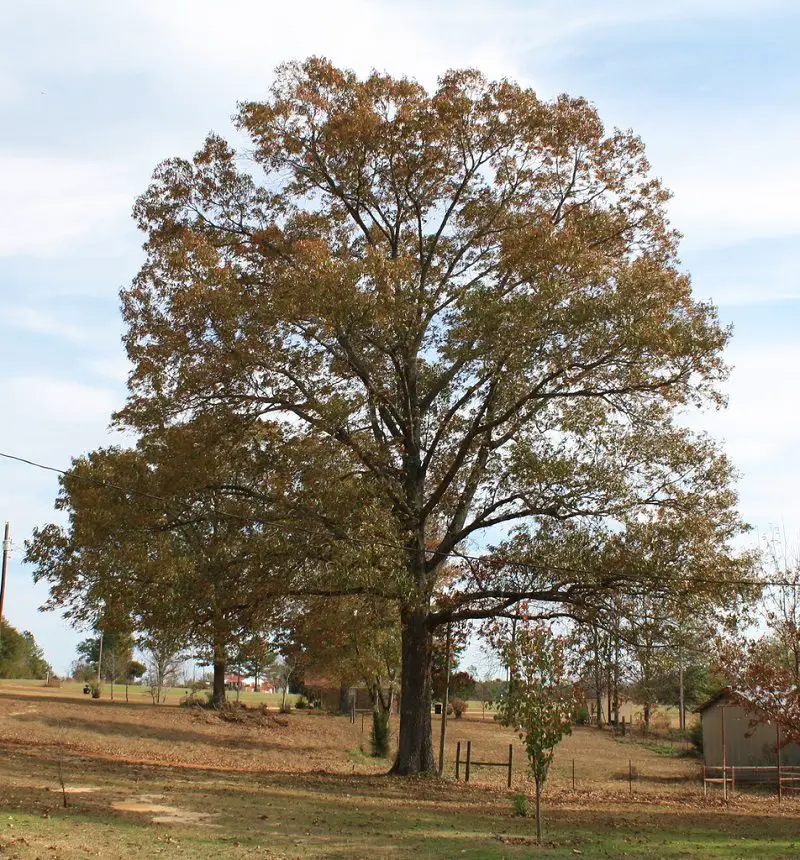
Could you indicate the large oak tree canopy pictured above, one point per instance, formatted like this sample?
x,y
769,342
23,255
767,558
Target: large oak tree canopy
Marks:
x,y
472,294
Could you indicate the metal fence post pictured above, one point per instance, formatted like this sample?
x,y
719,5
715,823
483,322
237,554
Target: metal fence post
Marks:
x,y
458,758
510,762
469,758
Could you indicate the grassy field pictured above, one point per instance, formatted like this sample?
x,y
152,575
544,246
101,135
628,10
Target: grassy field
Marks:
x,y
135,693
142,780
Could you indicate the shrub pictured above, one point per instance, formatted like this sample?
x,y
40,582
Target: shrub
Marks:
x,y
380,734
660,723
190,699
520,802
458,706
696,735
582,717
96,689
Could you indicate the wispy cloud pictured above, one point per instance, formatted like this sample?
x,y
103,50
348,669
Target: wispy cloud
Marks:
x,y
38,321
50,202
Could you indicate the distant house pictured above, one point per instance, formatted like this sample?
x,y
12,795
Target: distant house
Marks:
x,y
750,740
237,682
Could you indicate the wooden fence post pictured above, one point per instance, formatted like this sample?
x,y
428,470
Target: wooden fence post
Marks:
x,y
573,774
630,776
469,758
733,779
510,762
458,757
778,751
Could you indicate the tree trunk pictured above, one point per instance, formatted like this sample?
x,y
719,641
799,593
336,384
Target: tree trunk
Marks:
x,y
681,698
218,692
344,700
538,810
598,683
616,680
415,744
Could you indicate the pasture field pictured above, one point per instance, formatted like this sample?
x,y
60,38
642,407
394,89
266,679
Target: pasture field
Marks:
x,y
145,781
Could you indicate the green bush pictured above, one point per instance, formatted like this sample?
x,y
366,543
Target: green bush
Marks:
x,y
582,717
520,805
696,735
380,734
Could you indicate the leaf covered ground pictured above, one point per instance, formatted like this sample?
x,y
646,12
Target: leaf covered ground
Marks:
x,y
144,781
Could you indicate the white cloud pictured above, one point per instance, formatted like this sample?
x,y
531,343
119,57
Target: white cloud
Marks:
x,y
50,202
729,186
59,400
760,429
115,367
38,321
47,420
762,422
10,90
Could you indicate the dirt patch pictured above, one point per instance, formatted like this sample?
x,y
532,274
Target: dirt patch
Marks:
x,y
162,813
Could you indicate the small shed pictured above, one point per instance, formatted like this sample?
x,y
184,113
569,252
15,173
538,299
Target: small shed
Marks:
x,y
750,741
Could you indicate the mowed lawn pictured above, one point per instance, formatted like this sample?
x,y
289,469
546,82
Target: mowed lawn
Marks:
x,y
143,780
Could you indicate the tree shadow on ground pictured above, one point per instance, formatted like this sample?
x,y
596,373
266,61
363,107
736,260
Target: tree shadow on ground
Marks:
x,y
249,739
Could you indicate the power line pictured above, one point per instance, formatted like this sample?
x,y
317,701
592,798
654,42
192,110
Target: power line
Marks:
x,y
371,542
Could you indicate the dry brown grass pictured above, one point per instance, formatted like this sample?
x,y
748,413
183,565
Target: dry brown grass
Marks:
x,y
305,742
143,780
186,737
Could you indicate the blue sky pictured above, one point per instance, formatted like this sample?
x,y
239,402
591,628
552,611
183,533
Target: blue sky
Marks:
x,y
94,94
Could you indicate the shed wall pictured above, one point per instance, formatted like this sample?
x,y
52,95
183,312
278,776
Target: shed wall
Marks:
x,y
747,744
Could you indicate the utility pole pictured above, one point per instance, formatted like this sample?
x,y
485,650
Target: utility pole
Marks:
x,y
100,658
445,703
6,553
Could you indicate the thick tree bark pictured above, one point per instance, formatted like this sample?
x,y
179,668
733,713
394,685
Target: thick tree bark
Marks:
x,y
220,662
616,680
415,744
